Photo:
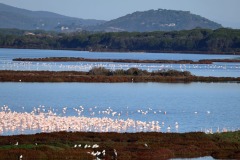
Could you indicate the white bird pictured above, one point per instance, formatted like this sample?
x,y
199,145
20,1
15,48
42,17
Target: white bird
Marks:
x,y
104,152
21,156
95,146
145,145
176,125
16,144
115,152
93,153
98,153
75,146
168,128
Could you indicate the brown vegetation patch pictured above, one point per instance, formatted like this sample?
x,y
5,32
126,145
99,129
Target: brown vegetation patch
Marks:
x,y
152,145
108,77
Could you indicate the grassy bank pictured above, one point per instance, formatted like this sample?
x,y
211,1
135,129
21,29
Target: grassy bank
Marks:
x,y
108,76
79,145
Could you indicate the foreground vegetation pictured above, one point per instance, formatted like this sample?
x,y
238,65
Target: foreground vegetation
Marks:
x,y
197,40
105,75
121,146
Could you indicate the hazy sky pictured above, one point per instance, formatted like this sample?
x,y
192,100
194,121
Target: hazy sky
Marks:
x,y
225,12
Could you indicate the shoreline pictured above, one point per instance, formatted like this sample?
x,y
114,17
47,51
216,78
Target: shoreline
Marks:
x,y
130,51
74,76
80,59
121,146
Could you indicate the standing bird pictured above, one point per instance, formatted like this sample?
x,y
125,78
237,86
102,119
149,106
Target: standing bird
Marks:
x,y
168,128
176,125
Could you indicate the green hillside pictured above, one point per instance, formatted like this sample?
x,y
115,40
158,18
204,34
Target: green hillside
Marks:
x,y
157,20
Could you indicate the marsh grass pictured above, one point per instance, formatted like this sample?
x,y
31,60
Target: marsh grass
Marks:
x,y
152,145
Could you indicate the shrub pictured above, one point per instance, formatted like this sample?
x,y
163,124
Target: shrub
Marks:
x,y
136,72
100,71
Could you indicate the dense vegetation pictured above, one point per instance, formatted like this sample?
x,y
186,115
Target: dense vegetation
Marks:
x,y
109,76
121,146
197,40
136,72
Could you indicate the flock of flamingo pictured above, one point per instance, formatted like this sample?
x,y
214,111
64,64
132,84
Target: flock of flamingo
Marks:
x,y
48,121
42,119
86,66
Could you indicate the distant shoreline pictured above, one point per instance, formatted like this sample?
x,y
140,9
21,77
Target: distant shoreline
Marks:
x,y
196,41
80,59
130,51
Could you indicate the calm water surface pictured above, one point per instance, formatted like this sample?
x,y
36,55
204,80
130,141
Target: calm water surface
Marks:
x,y
195,106
216,69
37,53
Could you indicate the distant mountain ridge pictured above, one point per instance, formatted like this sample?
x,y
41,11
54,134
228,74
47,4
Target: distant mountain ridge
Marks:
x,y
146,21
157,20
12,17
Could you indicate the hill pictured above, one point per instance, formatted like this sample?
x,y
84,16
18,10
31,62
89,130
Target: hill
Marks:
x,y
157,20
146,21
12,17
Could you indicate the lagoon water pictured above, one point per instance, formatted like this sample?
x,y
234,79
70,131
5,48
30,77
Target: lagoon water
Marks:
x,y
215,69
195,106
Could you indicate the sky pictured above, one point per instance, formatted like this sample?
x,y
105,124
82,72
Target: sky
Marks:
x,y
225,12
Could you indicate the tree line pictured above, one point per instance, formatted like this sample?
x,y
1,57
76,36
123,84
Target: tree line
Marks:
x,y
196,40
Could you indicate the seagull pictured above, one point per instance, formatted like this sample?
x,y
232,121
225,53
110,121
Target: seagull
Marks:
x,y
16,144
